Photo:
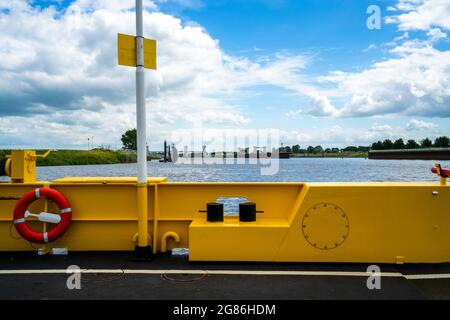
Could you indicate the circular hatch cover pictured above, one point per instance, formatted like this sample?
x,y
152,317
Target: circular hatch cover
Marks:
x,y
325,226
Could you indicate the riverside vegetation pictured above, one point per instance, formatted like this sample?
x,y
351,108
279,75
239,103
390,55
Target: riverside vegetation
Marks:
x,y
362,151
82,157
128,154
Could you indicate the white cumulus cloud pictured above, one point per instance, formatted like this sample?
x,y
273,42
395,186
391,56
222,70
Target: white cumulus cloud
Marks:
x,y
415,82
321,106
421,14
436,34
415,124
59,73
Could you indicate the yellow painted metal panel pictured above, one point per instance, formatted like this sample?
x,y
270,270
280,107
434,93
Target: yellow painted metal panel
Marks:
x,y
10,194
385,222
101,202
101,235
234,241
150,54
127,51
24,168
180,200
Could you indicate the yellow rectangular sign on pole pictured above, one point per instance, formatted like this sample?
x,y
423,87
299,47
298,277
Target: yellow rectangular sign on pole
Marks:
x,y
127,51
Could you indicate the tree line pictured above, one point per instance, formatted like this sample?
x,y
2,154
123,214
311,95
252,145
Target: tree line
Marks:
x,y
440,142
129,143
319,149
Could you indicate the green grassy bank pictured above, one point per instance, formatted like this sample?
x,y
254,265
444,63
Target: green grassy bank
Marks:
x,y
81,157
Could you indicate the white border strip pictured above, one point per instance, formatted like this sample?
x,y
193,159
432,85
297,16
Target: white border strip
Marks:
x,y
427,276
211,272
231,272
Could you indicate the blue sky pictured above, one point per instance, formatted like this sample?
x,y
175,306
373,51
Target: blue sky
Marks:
x,y
291,25
309,68
335,30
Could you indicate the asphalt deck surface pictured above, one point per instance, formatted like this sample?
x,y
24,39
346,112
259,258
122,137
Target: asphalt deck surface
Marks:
x,y
33,284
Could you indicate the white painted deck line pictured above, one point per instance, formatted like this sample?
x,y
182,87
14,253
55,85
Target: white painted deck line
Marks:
x,y
231,272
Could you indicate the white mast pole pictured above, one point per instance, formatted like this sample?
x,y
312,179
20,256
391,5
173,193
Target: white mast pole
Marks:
x,y
140,97
143,250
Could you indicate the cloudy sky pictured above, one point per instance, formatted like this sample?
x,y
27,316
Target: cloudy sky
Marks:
x,y
309,68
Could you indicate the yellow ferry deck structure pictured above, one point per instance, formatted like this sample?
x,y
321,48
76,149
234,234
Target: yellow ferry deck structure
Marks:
x,y
301,222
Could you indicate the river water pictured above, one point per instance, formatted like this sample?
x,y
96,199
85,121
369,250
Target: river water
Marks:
x,y
293,170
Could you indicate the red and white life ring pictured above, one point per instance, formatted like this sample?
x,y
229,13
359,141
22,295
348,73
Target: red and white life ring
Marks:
x,y
42,237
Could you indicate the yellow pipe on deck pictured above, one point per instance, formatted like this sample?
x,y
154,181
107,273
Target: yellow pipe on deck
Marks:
x,y
142,214
166,237
155,220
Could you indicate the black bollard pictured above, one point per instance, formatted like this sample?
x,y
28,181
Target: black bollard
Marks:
x,y
247,212
214,212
